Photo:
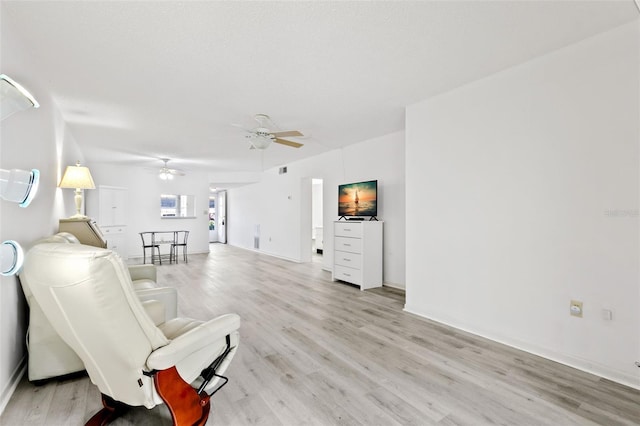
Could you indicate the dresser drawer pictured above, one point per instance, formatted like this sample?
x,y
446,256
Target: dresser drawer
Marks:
x,y
106,230
348,230
352,245
347,274
352,260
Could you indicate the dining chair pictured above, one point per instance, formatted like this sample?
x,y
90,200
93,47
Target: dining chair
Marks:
x,y
180,240
149,243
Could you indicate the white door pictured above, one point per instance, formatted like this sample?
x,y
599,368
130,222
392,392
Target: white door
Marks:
x,y
111,205
221,210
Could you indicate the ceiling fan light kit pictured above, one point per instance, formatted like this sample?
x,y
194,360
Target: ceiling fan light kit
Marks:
x,y
165,176
166,173
261,137
258,141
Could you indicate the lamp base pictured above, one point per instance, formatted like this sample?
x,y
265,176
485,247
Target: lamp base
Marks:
x,y
78,199
78,217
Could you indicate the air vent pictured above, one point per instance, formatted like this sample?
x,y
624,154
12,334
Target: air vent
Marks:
x,y
283,170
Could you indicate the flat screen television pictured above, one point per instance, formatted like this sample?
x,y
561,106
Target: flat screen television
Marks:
x,y
358,199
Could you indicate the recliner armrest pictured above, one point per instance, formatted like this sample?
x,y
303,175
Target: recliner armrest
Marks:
x,y
155,310
167,295
143,272
192,341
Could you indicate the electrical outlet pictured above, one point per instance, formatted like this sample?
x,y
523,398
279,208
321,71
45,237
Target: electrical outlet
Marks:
x,y
575,308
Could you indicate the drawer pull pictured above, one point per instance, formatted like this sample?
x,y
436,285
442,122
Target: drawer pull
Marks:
x,y
346,260
347,245
347,275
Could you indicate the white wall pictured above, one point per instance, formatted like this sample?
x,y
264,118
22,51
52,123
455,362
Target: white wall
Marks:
x,y
524,195
38,139
143,204
279,203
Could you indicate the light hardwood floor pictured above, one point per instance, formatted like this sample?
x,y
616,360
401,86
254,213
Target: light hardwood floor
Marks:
x,y
322,353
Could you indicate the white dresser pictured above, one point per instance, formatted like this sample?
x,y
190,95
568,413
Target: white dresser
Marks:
x,y
357,253
115,236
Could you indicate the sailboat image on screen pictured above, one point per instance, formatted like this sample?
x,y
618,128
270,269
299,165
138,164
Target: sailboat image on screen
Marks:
x,y
357,200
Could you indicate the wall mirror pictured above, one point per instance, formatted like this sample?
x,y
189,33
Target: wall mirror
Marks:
x,y
177,206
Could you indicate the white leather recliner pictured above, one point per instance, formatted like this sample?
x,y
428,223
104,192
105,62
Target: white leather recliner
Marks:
x,y
49,355
133,357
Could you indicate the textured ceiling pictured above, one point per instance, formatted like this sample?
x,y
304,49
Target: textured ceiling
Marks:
x,y
137,81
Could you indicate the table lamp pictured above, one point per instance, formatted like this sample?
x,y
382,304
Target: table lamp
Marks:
x,y
77,177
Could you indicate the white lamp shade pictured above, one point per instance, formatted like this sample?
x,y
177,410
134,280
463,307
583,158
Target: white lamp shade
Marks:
x,y
77,177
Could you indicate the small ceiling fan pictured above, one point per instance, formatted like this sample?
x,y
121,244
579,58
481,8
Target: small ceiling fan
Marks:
x,y
166,173
261,137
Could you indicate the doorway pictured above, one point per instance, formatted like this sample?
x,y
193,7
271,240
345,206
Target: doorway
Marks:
x,y
218,217
317,231
213,231
221,212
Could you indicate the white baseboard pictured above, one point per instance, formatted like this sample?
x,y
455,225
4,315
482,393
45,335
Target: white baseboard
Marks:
x,y
393,285
267,253
566,359
14,380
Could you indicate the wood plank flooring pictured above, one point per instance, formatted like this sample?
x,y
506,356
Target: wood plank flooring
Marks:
x,y
315,352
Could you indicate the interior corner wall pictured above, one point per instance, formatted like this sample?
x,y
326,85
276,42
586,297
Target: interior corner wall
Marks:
x,y
32,139
524,196
277,203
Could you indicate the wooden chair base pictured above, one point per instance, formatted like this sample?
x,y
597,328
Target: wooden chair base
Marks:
x,y
187,407
111,411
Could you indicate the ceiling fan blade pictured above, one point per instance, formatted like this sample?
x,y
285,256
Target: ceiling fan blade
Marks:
x,y
289,133
240,126
164,170
288,143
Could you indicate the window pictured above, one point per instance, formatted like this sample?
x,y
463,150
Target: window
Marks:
x,y
174,206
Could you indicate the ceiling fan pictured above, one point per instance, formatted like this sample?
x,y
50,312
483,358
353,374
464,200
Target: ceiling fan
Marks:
x,y
261,137
166,173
